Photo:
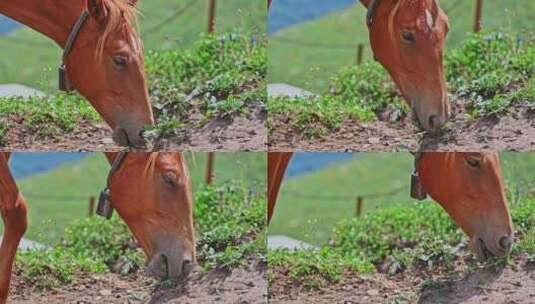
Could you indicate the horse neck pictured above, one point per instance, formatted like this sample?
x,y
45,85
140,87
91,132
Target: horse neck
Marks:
x,y
53,18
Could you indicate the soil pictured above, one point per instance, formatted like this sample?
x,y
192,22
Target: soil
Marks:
x,y
241,285
246,132
513,131
236,133
514,284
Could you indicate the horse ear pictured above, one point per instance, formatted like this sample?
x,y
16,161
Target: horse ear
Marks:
x,y
96,9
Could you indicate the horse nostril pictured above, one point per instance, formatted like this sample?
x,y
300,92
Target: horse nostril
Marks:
x,y
506,242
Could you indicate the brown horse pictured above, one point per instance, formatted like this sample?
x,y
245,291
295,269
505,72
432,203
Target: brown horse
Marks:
x,y
467,185
105,63
407,37
152,194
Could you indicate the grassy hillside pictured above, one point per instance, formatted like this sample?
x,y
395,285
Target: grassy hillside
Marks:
x,y
41,56
309,206
327,44
58,197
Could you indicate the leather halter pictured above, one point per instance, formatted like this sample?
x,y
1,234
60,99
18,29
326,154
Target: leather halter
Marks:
x,y
104,207
372,8
417,190
64,84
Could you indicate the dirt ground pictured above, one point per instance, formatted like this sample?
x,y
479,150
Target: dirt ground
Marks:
x,y
237,133
242,285
514,131
514,284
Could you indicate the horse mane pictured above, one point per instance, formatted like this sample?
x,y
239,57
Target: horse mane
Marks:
x,y
151,162
121,16
395,10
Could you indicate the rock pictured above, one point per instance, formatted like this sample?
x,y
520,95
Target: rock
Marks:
x,y
105,292
374,140
372,292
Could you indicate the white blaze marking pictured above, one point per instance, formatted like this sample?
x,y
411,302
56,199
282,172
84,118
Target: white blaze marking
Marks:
x,y
430,19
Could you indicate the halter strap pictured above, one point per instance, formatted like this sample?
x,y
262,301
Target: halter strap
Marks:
x,y
417,190
372,8
115,166
64,84
105,207
74,34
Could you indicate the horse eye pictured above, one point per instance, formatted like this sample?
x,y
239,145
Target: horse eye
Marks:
x,y
408,37
170,178
120,61
474,161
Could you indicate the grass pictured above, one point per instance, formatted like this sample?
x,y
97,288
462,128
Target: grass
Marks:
x,y
48,116
310,66
221,75
230,226
310,206
492,72
407,237
39,68
58,197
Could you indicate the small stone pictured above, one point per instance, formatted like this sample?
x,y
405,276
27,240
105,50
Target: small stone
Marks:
x,y
105,292
372,292
374,140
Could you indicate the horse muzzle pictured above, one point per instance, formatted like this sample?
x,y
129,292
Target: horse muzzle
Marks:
x,y
431,120
129,137
165,266
486,248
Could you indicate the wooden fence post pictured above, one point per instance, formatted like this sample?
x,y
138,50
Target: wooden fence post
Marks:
x,y
360,53
211,16
269,4
478,16
210,168
91,208
359,203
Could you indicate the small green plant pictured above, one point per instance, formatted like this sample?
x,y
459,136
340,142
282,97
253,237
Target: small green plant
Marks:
x,y
49,116
222,74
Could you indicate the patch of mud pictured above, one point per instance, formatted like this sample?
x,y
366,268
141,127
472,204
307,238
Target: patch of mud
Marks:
x,y
487,284
245,132
241,285
514,131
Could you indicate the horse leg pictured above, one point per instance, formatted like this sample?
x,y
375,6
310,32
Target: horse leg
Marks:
x,y
14,216
277,164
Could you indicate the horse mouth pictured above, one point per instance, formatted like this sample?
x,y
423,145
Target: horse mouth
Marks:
x,y
484,252
122,138
159,267
162,267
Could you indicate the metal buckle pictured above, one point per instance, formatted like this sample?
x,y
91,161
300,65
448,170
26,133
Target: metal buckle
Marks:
x,y
417,190
64,84
104,207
